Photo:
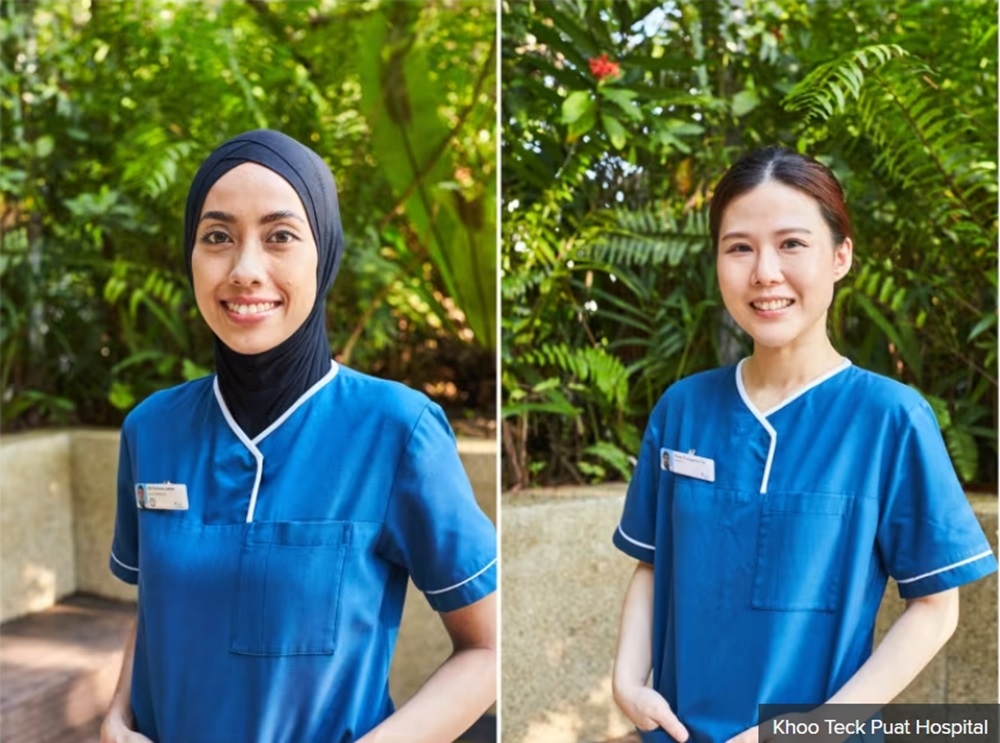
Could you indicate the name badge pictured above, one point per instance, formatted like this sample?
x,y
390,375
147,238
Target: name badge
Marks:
x,y
689,465
163,496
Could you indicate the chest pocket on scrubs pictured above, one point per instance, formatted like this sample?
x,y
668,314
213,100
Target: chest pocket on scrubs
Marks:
x,y
801,547
288,595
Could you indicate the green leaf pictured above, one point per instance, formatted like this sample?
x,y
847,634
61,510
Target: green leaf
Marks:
x,y
121,396
612,455
744,102
940,408
191,370
623,98
964,453
582,125
616,132
987,321
576,106
44,146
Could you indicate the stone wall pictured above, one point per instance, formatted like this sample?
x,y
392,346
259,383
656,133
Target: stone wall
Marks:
x,y
563,585
37,557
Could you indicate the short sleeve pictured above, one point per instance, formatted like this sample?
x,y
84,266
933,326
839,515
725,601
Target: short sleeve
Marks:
x,y
124,559
434,528
928,537
636,532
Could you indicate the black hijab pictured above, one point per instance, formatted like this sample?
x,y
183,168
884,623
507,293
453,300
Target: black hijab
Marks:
x,y
258,388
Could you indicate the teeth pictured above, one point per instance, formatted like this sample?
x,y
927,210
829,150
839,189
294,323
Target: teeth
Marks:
x,y
772,304
251,309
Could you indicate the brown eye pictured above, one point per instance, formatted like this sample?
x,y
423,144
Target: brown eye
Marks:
x,y
215,237
282,236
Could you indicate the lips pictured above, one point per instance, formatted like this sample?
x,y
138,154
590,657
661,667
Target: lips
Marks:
x,y
771,305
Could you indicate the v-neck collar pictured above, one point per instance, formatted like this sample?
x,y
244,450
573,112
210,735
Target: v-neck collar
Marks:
x,y
251,444
761,416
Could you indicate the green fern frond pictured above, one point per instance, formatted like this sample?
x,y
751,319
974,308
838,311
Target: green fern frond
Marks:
x,y
923,143
156,170
588,364
964,452
649,236
613,455
825,90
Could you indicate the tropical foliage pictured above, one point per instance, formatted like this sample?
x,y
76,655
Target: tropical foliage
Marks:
x,y
108,109
619,115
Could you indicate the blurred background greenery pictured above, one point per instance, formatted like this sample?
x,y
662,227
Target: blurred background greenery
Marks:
x,y
618,116
110,106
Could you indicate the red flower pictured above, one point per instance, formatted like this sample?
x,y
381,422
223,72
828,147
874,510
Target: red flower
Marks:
x,y
601,67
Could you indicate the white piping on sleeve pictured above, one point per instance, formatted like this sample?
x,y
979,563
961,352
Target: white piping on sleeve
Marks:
x,y
490,564
636,542
958,564
127,567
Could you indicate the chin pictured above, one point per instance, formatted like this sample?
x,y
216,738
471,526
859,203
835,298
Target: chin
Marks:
x,y
773,341
247,348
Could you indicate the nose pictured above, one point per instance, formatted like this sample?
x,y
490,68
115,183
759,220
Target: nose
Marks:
x,y
767,268
248,268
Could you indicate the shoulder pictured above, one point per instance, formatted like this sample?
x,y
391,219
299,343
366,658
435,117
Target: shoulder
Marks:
x,y
384,398
172,402
888,405
877,393
701,386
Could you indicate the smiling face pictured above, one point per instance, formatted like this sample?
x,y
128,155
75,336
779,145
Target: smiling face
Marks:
x,y
254,260
777,265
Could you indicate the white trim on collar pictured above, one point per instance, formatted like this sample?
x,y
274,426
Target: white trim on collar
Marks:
x,y
808,385
334,368
251,444
762,417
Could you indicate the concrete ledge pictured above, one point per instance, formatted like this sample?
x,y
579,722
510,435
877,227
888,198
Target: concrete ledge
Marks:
x,y
563,584
57,510
37,560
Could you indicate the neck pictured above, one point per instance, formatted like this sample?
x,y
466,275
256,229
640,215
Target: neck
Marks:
x,y
787,368
258,388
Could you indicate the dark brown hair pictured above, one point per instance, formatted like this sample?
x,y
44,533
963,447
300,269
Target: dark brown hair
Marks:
x,y
792,169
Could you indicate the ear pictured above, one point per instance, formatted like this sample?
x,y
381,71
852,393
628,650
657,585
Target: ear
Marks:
x,y
843,257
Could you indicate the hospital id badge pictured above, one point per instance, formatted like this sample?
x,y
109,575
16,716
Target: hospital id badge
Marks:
x,y
689,465
165,496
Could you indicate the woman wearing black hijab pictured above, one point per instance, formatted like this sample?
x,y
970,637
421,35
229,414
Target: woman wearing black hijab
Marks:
x,y
287,499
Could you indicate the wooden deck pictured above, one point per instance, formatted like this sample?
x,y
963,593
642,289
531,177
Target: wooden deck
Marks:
x,y
60,666
59,669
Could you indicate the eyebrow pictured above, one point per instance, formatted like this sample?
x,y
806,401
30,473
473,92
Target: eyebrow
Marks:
x,y
266,219
783,231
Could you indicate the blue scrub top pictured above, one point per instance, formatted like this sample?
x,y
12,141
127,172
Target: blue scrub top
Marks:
x,y
269,609
768,579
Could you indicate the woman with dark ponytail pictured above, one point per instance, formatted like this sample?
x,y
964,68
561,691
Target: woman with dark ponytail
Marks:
x,y
774,498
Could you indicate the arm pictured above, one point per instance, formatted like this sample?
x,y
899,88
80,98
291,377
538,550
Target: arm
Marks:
x,y
459,691
644,706
909,645
913,640
118,724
